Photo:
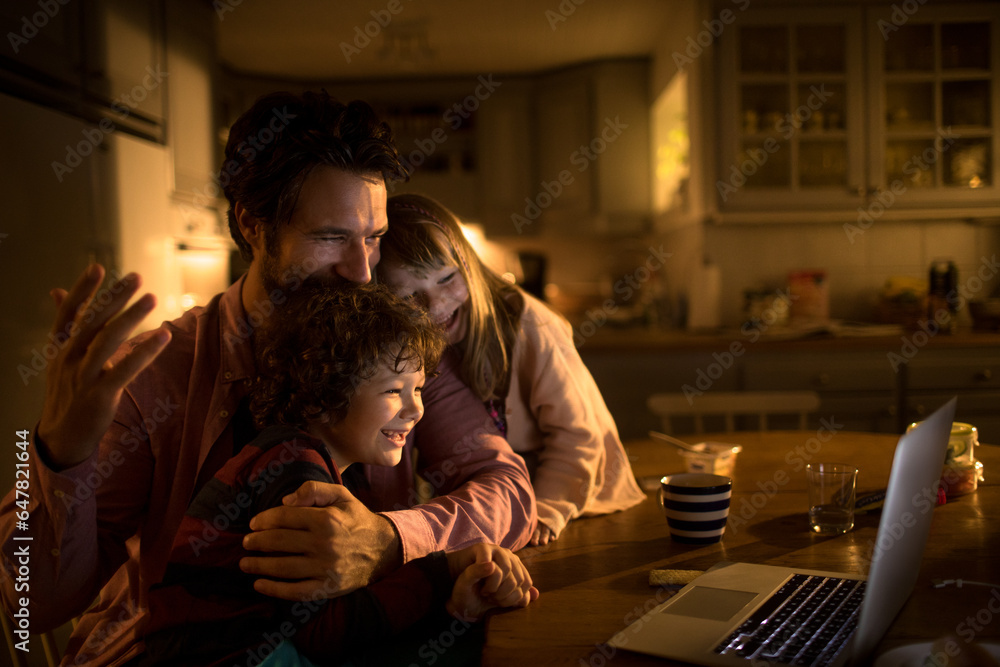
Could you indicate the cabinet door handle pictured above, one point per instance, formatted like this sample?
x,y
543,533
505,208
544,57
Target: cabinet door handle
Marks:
x,y
984,375
822,379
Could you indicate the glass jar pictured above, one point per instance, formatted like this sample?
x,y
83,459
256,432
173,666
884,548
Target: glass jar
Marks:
x,y
961,473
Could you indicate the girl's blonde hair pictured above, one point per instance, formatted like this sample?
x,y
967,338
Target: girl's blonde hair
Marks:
x,y
424,236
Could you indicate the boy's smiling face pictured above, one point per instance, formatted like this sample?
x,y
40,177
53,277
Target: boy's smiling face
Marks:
x,y
382,412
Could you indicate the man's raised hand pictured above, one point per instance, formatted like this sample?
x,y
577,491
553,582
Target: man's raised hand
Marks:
x,y
82,387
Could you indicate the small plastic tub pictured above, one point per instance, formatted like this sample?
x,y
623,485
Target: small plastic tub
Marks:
x,y
716,458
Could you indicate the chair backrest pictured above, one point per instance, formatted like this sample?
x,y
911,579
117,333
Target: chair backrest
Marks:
x,y
729,404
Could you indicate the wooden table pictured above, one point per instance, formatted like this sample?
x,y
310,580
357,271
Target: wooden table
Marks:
x,y
594,578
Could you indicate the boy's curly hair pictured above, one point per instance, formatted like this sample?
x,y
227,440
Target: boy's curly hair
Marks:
x,y
316,349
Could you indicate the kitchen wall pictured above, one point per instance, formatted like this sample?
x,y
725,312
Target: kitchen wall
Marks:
x,y
857,266
761,257
857,260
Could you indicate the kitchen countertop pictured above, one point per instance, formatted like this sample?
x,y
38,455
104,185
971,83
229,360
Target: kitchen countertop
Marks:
x,y
830,338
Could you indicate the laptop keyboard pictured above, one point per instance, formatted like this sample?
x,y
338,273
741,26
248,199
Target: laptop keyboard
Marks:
x,y
806,622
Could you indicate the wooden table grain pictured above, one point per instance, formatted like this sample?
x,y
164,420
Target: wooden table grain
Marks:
x,y
594,578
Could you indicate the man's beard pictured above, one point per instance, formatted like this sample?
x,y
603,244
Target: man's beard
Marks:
x,y
278,281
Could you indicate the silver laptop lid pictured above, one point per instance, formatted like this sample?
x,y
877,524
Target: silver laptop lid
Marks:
x,y
906,521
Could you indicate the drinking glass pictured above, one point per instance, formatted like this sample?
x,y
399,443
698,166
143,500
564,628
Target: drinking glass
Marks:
x,y
831,497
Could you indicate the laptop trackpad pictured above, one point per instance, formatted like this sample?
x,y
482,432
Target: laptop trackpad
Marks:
x,y
713,604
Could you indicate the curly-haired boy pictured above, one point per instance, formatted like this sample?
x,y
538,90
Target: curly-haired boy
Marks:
x,y
340,376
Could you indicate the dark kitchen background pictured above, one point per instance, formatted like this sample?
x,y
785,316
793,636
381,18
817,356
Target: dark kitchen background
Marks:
x,y
717,195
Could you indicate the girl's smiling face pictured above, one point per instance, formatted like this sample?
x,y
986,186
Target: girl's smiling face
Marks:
x,y
443,292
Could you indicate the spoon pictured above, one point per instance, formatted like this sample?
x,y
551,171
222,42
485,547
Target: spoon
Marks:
x,y
676,443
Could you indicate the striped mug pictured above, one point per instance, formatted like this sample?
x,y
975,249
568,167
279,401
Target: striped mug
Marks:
x,y
696,505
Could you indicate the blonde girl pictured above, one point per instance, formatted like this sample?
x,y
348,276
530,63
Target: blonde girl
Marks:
x,y
518,357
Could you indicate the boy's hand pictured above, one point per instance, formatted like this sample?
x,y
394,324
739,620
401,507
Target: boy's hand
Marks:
x,y
333,545
487,576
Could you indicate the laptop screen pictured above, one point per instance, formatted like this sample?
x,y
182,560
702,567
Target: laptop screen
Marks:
x,y
906,521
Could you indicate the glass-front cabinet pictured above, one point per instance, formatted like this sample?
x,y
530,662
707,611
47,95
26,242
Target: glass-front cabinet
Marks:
x,y
935,102
828,109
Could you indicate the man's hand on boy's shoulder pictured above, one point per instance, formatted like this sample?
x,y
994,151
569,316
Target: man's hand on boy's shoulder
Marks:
x,y
329,544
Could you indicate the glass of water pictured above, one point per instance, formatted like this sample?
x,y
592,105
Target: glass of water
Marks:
x,y
832,488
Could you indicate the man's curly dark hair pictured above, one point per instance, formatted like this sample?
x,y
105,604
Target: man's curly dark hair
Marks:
x,y
317,348
279,140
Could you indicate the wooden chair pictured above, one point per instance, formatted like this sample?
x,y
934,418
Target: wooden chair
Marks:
x,y
730,404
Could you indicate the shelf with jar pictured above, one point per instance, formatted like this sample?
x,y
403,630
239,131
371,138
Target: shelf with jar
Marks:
x,y
795,82
938,80
823,109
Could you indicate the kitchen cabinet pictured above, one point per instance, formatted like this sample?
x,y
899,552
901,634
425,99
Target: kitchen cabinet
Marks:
x,y
196,148
877,384
504,149
858,389
98,60
935,99
126,69
792,116
592,160
933,377
548,153
860,111
436,137
44,44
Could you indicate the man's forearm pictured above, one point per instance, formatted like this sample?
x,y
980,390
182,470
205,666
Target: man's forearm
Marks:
x,y
496,506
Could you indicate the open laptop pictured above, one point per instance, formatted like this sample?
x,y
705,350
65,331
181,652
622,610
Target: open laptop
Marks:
x,y
746,614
